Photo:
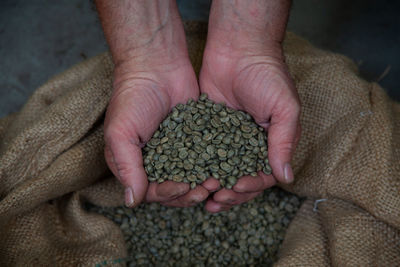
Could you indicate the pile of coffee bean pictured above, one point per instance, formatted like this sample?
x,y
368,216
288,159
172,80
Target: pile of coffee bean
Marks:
x,y
200,139
247,235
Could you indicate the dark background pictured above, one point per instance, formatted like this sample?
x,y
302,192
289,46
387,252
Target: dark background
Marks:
x,y
40,38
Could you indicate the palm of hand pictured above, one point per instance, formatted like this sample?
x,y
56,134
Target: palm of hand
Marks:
x,y
140,101
261,86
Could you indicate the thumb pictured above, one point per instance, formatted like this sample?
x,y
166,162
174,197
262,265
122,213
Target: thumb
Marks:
x,y
283,135
124,158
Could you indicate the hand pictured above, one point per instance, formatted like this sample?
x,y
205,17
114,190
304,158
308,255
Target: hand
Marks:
x,y
261,86
152,74
140,101
249,74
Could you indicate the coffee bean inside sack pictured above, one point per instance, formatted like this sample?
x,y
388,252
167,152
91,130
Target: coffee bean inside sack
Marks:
x,y
202,139
247,235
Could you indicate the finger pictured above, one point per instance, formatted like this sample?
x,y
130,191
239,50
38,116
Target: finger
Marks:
x,y
214,207
125,161
193,197
226,197
230,197
211,184
250,184
166,191
282,134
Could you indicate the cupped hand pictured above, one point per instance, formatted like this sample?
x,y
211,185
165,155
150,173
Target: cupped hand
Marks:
x,y
144,93
257,81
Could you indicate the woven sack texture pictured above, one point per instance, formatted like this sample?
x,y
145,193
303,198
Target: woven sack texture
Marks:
x,y
51,163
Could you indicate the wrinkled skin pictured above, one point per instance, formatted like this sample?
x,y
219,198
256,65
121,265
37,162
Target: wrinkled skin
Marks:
x,y
257,82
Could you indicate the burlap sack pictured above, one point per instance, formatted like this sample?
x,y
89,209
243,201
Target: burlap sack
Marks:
x,y
51,162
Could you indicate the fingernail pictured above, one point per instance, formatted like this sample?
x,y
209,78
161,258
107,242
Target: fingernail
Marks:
x,y
288,172
129,200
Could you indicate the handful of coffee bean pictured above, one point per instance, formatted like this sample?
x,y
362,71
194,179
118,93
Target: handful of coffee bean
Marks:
x,y
202,139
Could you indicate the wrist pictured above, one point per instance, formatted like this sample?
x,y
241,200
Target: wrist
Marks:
x,y
142,29
247,25
151,58
154,73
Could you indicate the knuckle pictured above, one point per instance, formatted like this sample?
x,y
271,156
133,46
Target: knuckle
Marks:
x,y
267,183
112,132
191,200
175,193
286,147
198,198
172,195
